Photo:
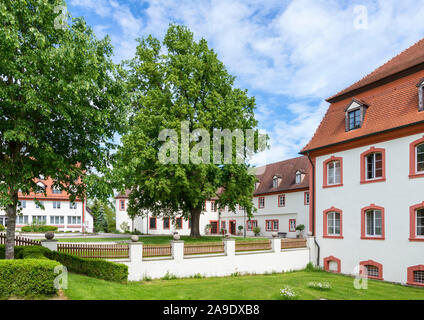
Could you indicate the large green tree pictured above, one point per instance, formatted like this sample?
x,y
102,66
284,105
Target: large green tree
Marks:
x,y
174,83
61,101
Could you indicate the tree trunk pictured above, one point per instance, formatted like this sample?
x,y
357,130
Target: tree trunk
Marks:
x,y
195,222
11,224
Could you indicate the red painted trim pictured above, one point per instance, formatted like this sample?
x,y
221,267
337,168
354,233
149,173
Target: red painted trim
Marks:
x,y
163,223
73,226
325,224
279,192
259,203
305,196
214,206
278,200
379,266
327,261
412,222
363,165
251,225
383,229
57,225
156,222
412,159
290,229
217,226
235,227
272,224
325,172
410,277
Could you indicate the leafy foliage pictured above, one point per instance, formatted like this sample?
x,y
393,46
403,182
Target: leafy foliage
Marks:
x,y
103,215
38,228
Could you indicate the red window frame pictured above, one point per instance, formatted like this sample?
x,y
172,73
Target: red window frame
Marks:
x,y
413,159
364,236
249,226
272,223
150,224
410,277
295,225
259,203
325,224
327,261
181,223
169,224
121,205
325,172
284,201
413,222
213,206
306,195
379,266
364,167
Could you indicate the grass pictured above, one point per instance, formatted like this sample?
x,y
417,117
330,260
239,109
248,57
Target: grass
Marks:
x,y
158,239
250,287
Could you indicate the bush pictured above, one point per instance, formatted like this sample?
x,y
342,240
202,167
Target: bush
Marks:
x,y
96,268
38,228
27,277
257,231
1,228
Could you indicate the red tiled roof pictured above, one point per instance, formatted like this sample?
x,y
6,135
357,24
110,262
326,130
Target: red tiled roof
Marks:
x,y
390,106
48,183
411,57
287,171
123,195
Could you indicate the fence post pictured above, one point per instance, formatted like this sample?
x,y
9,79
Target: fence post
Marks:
x,y
230,247
276,244
49,244
136,251
177,249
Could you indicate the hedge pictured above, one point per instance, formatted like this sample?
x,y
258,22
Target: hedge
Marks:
x,y
96,268
27,277
38,228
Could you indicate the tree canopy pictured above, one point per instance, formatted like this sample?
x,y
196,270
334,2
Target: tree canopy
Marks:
x,y
61,102
175,83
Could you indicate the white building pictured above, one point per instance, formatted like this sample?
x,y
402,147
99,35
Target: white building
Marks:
x,y
367,199
58,211
281,197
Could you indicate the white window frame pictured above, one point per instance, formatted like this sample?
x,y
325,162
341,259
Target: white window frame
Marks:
x,y
332,172
283,204
37,206
374,234
22,204
73,205
22,220
261,202
416,158
331,218
374,166
416,222
56,204
298,177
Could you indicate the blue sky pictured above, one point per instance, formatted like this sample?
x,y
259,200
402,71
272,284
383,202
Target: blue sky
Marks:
x,y
290,55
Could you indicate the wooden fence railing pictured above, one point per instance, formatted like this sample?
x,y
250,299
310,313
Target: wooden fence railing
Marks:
x,y
293,243
20,241
104,251
204,248
156,250
253,246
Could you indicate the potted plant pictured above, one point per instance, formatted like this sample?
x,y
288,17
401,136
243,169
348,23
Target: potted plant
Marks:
x,y
257,231
240,233
299,230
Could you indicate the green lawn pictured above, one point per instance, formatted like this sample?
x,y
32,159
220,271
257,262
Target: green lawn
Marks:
x,y
158,239
254,287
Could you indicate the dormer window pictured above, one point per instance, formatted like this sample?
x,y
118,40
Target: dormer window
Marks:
x,y
355,113
275,181
298,177
257,185
420,86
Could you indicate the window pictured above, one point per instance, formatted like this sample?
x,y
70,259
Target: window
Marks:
x,y
72,205
372,223
298,177
271,225
416,158
251,224
179,223
39,219
420,86
373,165
306,200
416,222
56,204
3,220
213,206
241,208
261,201
333,172
22,204
41,187
281,200
332,264
354,119
152,223
122,205
57,220
275,182
38,206
371,269
166,223
416,275
292,225
332,223
21,220
56,190
74,220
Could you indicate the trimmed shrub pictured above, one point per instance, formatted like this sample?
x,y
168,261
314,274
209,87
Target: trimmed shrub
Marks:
x,y
27,277
38,228
96,268
2,228
26,252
